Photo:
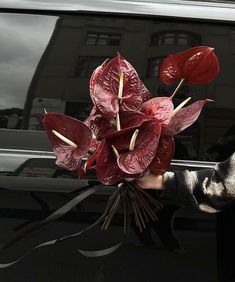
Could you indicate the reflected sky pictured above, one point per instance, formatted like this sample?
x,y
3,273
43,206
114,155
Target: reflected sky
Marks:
x,y
23,40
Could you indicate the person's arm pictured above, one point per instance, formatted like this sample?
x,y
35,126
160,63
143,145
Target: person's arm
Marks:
x,y
210,190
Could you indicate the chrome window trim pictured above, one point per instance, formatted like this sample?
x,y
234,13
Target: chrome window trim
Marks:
x,y
224,11
20,156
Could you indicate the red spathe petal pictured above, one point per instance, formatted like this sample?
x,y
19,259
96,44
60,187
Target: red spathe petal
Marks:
x,y
95,76
65,158
202,67
164,155
170,69
197,65
131,103
160,107
104,91
185,117
107,170
131,119
138,94
137,161
106,100
72,129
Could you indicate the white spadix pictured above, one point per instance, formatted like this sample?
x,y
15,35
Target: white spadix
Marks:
x,y
181,106
120,89
133,140
65,139
115,151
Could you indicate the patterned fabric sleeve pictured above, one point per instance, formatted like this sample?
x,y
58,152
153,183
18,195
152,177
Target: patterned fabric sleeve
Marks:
x,y
210,190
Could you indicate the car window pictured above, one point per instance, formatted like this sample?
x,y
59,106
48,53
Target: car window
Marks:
x,y
50,60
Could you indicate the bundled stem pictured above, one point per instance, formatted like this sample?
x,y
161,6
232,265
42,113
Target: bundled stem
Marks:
x,y
142,205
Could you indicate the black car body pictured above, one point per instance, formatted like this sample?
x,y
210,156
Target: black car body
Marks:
x,y
48,51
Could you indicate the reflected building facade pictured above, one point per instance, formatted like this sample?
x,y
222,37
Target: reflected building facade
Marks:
x,y
79,44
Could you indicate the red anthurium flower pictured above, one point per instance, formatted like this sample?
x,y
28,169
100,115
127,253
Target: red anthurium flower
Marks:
x,y
184,118
164,155
107,170
70,139
173,122
137,159
116,86
198,65
160,107
117,159
104,159
129,133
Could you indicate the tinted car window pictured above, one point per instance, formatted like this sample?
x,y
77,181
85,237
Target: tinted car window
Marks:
x,y
52,58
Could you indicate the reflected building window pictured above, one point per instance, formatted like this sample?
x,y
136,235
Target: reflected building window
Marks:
x,y
153,66
94,38
86,65
177,37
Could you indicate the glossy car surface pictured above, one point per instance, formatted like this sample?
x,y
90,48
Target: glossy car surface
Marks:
x,y
48,52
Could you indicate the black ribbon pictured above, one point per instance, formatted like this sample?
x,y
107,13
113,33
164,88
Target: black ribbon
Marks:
x,y
59,213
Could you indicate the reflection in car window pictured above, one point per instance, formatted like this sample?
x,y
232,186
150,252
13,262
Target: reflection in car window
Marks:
x,y
23,40
175,37
80,43
154,66
96,38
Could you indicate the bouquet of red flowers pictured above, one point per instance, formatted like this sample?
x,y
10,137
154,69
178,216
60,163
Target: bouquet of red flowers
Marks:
x,y
128,133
